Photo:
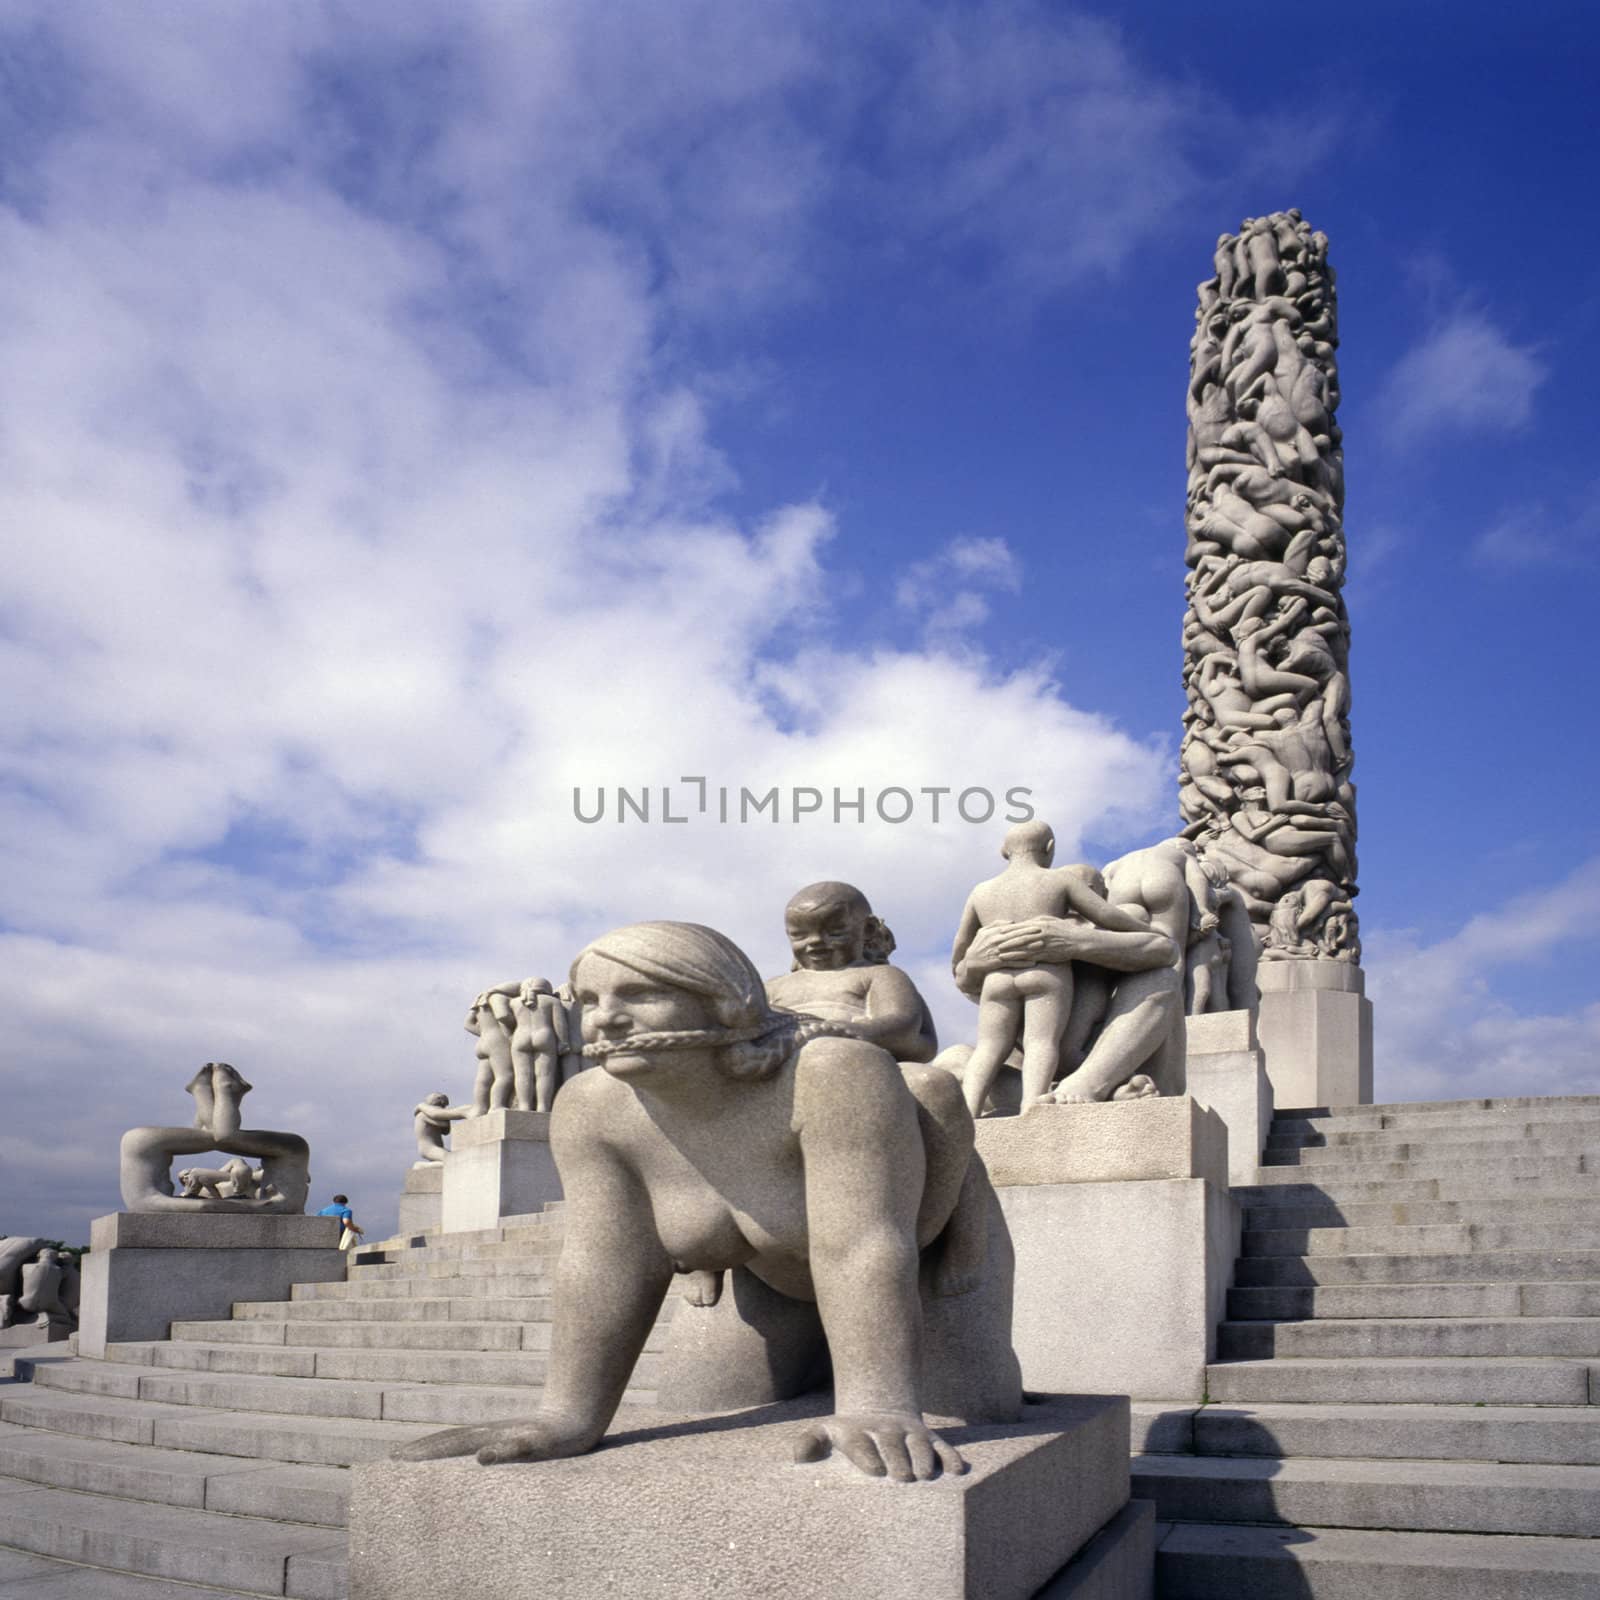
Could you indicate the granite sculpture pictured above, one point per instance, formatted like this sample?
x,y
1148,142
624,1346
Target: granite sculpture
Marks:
x,y
842,972
1266,756
1033,1002
522,1032
278,1185
430,1121
836,1188
39,1290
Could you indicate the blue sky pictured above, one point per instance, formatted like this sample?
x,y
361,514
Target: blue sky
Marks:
x,y
409,413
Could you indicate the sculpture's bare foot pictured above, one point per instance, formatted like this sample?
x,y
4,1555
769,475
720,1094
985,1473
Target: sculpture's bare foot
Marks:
x,y
702,1288
1068,1093
1138,1087
892,1444
526,1439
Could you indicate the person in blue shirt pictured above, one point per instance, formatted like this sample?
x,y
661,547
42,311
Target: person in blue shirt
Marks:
x,y
341,1209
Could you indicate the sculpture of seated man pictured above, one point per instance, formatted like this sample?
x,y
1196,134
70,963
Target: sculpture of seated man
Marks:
x,y
1034,1000
842,973
724,1134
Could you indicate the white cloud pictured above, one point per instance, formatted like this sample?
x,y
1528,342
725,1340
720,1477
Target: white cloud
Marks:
x,y
354,515
1536,535
1465,375
1441,1032
950,590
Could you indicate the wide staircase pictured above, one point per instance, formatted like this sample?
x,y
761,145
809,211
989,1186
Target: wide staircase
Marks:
x,y
1407,1397
217,1457
1406,1404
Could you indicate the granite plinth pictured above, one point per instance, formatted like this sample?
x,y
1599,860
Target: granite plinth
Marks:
x,y
1111,1140
1227,1071
1316,1033
1124,1248
422,1199
145,1271
500,1166
718,1506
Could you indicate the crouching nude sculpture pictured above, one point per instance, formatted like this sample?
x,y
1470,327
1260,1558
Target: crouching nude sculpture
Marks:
x,y
836,1189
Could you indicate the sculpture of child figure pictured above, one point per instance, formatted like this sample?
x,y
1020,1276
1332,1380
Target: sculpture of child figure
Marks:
x,y
1037,1001
842,973
430,1121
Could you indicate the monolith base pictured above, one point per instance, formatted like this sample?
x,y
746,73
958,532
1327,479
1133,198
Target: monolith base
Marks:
x,y
1315,1027
706,1506
499,1166
145,1271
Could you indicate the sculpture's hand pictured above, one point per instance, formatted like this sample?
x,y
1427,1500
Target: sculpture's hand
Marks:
x,y
525,1439
894,1444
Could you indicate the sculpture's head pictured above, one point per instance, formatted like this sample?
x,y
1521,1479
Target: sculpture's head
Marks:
x,y
437,1098
1031,841
831,926
535,986
655,992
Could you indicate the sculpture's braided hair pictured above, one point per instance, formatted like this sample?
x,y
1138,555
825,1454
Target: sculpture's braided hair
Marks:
x,y
752,1037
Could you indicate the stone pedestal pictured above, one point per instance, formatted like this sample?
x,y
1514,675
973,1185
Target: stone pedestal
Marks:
x,y
1316,1032
1227,1071
1125,1238
145,1271
422,1199
500,1166
698,1507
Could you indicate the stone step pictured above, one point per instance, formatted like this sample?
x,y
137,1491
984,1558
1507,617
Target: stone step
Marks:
x,y
1541,1209
281,1493
1444,1238
500,1285
396,1311
1197,1561
453,1251
1409,1110
1489,1266
1420,1157
1463,1381
1554,1127
1399,1337
1490,1176
1293,1189
1386,1300
238,1553
409,1270
1551,1435
68,1580
357,1335
1415,1496
309,1361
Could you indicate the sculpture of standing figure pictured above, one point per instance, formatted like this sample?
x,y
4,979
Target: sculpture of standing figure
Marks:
x,y
1036,1001
490,1022
537,1043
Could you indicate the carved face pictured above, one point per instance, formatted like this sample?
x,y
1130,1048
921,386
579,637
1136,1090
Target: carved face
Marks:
x,y
617,1002
826,935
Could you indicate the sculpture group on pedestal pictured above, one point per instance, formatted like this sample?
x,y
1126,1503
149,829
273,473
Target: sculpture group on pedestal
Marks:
x,y
278,1185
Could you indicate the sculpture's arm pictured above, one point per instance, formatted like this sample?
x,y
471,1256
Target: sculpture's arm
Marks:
x,y
865,1166
613,1276
894,1008
500,1006
1082,899
559,1022
966,932
1053,941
